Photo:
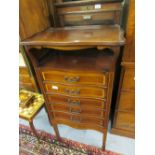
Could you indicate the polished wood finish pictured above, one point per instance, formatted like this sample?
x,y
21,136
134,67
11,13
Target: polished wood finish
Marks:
x,y
75,90
75,65
72,100
85,111
91,35
75,77
65,100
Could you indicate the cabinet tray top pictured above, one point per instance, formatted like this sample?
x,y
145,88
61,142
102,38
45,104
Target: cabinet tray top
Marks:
x,y
78,36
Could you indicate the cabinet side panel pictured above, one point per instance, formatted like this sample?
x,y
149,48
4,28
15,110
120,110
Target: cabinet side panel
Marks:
x,y
33,17
129,51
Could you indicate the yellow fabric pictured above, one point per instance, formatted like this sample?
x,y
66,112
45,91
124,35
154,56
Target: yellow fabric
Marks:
x,y
30,111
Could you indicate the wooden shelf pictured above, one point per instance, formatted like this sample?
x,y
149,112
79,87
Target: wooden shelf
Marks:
x,y
96,35
86,2
98,61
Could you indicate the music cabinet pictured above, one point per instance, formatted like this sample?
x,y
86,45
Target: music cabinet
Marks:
x,y
73,47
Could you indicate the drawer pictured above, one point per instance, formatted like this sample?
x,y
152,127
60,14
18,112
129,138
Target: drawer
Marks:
x,y
90,14
72,109
128,79
83,102
81,91
125,121
25,78
127,101
78,118
23,71
27,86
91,7
90,18
75,77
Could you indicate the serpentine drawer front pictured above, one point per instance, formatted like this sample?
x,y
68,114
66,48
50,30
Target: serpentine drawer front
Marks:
x,y
83,102
75,77
74,90
76,118
78,110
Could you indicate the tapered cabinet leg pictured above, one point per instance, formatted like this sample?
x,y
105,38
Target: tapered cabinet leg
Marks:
x,y
56,131
104,139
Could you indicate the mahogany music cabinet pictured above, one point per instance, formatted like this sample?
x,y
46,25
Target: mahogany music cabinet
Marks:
x,y
73,47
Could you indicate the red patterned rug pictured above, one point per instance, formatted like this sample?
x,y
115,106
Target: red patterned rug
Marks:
x,y
48,145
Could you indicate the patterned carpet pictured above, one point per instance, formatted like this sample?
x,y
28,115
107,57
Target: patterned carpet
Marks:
x,y
48,145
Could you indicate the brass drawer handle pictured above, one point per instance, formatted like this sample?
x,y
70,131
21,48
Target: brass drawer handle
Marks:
x,y
71,102
71,79
87,17
75,111
75,119
72,92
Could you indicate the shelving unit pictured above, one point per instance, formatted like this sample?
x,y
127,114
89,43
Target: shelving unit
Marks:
x,y
88,12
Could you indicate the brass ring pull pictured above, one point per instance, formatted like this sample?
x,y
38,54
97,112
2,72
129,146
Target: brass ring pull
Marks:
x,y
71,79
